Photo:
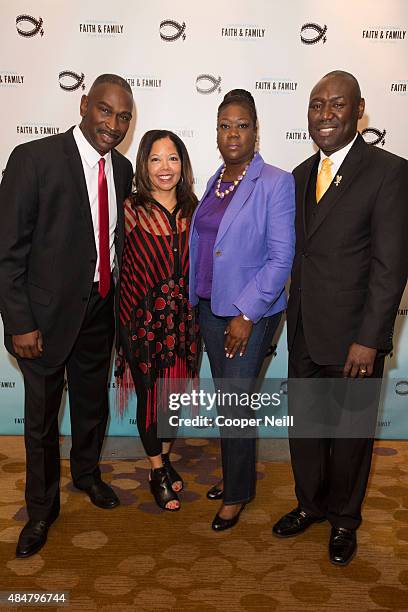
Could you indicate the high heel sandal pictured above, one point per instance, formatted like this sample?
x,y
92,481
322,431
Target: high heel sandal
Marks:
x,y
162,490
173,475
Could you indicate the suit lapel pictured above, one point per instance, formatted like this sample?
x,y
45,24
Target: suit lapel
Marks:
x,y
241,196
310,165
119,185
78,182
119,181
349,168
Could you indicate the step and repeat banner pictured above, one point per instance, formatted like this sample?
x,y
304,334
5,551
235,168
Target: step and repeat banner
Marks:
x,y
180,59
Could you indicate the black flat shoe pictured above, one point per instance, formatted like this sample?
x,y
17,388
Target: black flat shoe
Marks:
x,y
342,545
32,538
101,495
173,475
162,490
295,522
215,493
221,524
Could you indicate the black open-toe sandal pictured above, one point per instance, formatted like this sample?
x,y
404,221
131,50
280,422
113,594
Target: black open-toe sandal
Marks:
x,y
173,475
161,489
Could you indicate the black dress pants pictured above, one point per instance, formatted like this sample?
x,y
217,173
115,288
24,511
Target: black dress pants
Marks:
x,y
87,369
330,474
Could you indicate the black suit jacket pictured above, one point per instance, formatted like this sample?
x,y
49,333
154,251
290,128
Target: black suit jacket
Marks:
x,y
351,260
47,245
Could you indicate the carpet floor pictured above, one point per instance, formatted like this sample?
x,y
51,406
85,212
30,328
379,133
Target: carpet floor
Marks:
x,y
139,558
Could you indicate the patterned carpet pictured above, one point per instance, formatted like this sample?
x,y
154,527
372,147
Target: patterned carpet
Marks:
x,y
137,557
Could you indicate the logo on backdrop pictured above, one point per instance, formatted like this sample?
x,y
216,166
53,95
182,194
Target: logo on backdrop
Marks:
x,y
70,80
143,82
106,28
183,132
278,86
37,129
207,84
296,136
373,136
401,387
384,34
7,384
399,87
312,33
171,30
242,32
28,26
11,79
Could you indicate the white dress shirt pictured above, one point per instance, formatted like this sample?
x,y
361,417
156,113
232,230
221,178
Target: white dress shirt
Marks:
x,y
337,158
90,162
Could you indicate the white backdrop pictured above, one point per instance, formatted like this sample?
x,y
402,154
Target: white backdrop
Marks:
x,y
180,59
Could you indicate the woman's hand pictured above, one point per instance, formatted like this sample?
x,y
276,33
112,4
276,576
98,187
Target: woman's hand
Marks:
x,y
237,334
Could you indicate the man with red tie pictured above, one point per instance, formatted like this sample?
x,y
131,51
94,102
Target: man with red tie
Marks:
x,y
61,239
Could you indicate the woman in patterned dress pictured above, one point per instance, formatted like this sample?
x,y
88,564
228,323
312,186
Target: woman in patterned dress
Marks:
x,y
158,331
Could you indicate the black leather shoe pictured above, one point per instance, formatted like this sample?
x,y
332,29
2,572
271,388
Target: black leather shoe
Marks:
x,y
215,493
32,538
293,523
342,545
102,495
221,524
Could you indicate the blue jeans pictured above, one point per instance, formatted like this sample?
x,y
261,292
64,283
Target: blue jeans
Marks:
x,y
238,454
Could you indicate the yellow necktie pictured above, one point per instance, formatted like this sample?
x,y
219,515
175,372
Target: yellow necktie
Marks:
x,y
324,178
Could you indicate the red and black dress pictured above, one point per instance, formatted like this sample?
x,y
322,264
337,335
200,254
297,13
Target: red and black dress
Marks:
x,y
158,329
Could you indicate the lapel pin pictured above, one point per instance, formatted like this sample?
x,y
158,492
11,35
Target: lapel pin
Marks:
x,y
337,180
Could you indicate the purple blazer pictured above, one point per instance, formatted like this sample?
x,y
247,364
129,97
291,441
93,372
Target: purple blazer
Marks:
x,y
255,245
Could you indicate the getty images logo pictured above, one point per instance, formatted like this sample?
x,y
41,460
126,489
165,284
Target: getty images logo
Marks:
x,y
373,136
207,84
312,33
171,30
31,26
70,80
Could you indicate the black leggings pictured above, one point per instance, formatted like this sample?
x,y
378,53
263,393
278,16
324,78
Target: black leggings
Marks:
x,y
151,443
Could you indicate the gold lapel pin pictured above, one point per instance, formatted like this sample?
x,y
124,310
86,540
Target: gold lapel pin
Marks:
x,y
337,180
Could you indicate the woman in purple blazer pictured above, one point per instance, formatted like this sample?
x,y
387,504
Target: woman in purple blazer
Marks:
x,y
241,250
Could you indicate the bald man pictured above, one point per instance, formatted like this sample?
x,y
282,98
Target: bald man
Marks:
x,y
61,238
348,276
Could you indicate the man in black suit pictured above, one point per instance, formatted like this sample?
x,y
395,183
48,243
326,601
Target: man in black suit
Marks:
x,y
348,276
61,239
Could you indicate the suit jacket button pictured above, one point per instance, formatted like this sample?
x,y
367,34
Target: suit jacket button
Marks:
x,y
217,253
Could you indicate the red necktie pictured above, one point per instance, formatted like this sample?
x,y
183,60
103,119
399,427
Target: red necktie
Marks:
x,y
103,220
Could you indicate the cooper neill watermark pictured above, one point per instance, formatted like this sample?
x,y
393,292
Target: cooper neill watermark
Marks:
x,y
271,408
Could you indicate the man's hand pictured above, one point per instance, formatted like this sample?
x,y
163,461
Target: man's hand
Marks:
x,y
28,346
237,335
360,361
